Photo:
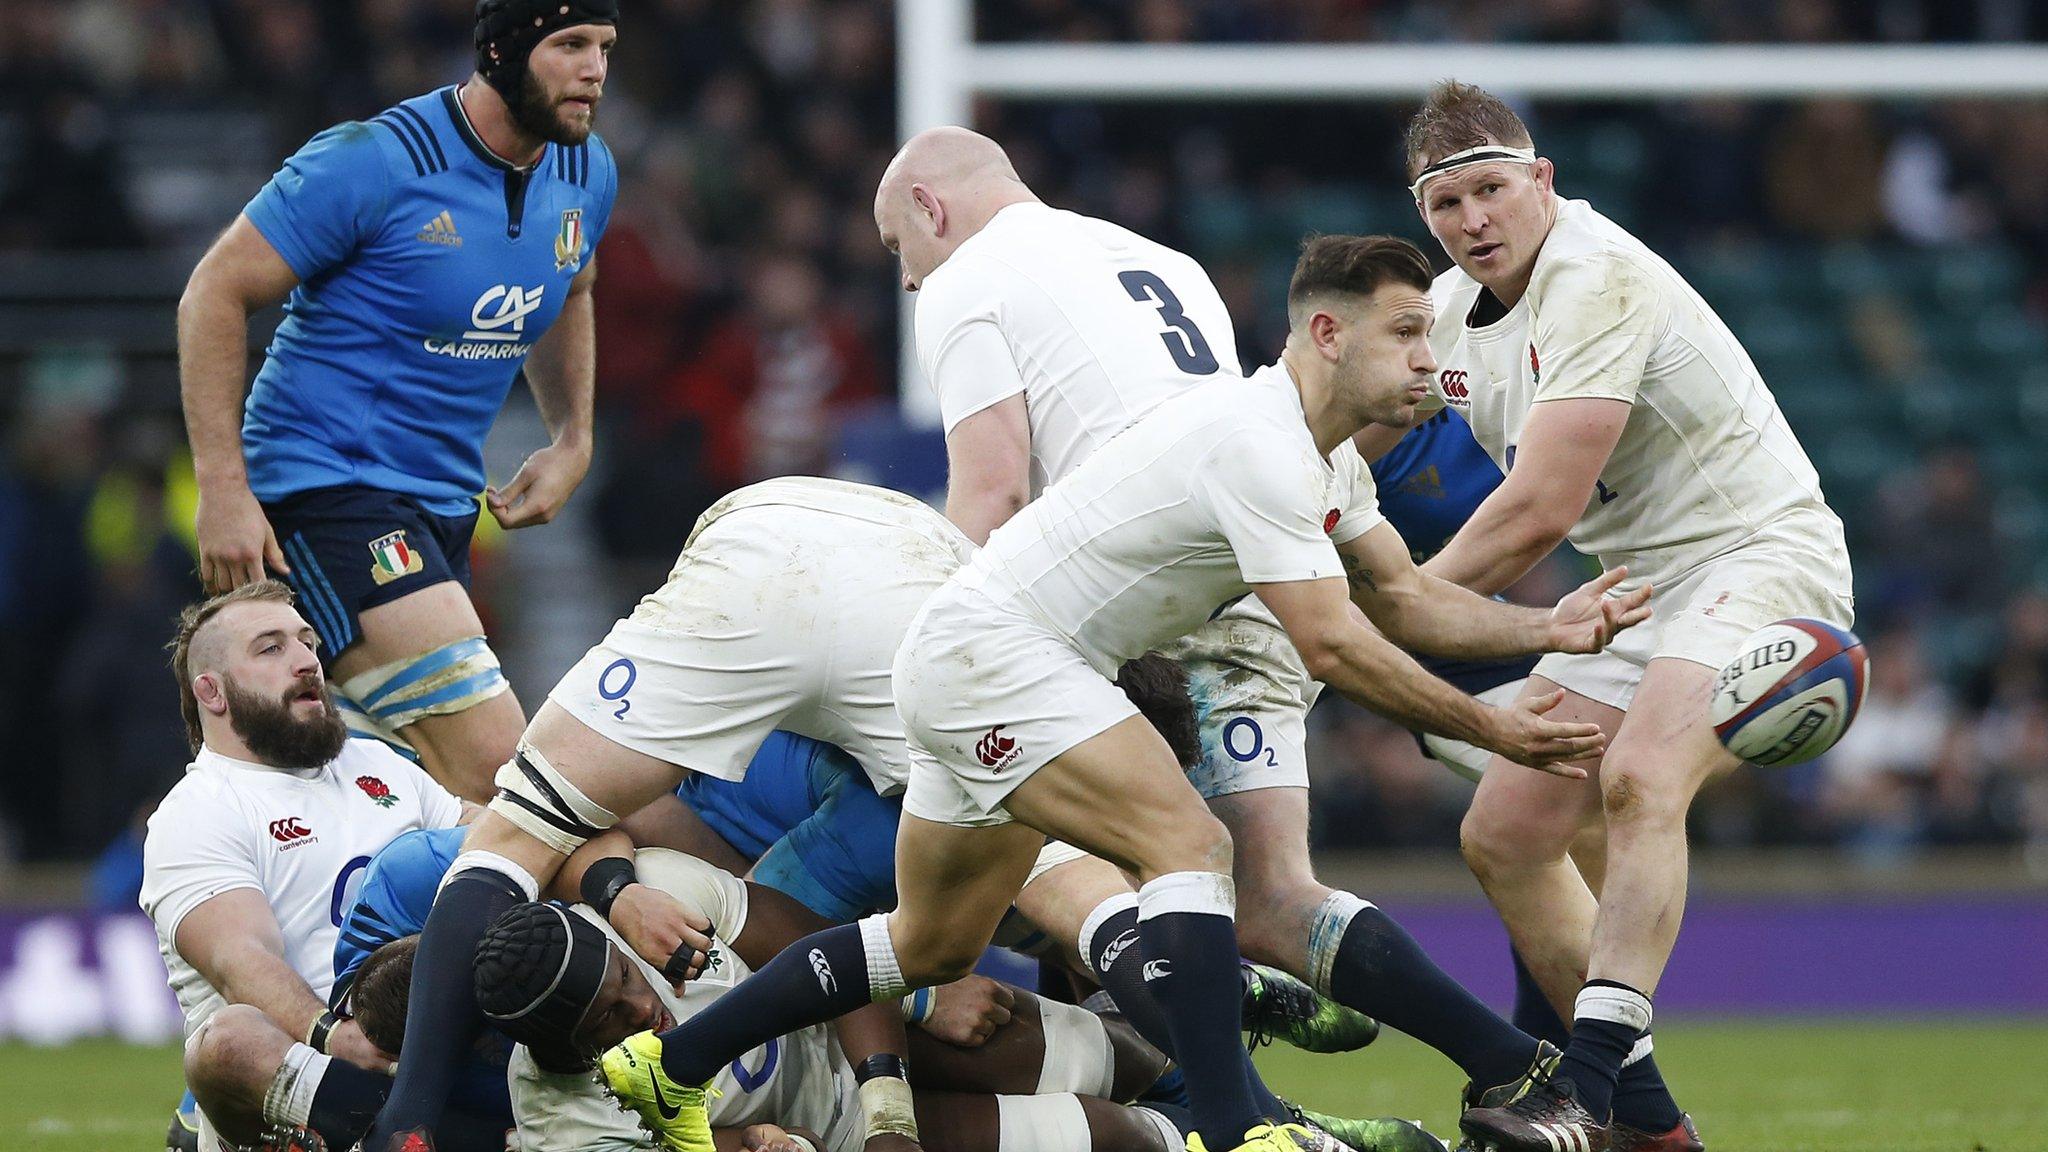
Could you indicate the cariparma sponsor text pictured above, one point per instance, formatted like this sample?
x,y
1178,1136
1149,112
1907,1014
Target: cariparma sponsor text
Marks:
x,y
473,350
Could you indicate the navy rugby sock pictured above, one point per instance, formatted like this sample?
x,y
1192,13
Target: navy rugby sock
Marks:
x,y
1114,955
1608,1019
1189,941
1641,1099
441,1017
345,1102
1381,971
821,977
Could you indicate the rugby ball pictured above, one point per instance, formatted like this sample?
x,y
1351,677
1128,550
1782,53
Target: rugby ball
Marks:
x,y
1791,691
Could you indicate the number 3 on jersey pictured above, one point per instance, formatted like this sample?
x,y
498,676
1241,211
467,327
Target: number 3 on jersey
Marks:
x,y
1189,350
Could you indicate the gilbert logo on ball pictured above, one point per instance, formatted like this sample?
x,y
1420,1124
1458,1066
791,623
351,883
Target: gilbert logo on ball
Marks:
x,y
1791,691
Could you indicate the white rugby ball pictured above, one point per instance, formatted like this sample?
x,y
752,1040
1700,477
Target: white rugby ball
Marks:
x,y
1791,691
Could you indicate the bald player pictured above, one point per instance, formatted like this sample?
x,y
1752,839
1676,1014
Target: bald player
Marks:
x,y
1044,332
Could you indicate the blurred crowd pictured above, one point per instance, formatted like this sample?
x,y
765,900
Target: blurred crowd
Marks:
x,y
1879,260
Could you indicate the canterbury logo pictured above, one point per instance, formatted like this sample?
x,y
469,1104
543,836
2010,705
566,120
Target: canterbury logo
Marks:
x,y
823,968
994,749
1157,969
441,230
1451,382
1117,947
289,829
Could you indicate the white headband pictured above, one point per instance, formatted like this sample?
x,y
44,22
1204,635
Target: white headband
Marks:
x,y
1479,155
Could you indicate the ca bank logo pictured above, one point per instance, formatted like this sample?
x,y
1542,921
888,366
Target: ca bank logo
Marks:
x,y
501,312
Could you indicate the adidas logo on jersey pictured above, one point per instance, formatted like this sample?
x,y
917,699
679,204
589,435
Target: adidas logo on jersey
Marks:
x,y
441,230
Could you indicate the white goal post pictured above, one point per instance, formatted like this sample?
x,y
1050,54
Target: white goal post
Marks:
x,y
940,69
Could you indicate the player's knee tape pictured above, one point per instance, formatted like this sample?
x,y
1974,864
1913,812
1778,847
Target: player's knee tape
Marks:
x,y
542,803
1170,1136
451,678
473,860
1041,1124
363,726
1326,935
1078,1055
1209,893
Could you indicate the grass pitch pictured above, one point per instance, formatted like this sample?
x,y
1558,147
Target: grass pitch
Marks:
x,y
1777,1086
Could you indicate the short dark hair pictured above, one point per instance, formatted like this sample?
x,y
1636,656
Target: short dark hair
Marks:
x,y
1353,266
1158,685
1455,117
382,991
196,617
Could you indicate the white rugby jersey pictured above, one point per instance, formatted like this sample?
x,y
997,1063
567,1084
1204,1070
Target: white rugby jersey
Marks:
x,y
302,838
1706,460
800,1080
1173,519
1093,323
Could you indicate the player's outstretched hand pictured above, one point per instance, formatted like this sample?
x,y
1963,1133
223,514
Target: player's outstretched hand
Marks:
x,y
659,928
542,486
771,1138
1587,620
968,1011
1528,737
347,1042
235,539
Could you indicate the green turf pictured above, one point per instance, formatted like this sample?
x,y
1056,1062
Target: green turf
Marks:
x,y
1756,1087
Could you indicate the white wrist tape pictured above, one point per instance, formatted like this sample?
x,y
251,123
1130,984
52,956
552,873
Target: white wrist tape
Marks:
x,y
887,1104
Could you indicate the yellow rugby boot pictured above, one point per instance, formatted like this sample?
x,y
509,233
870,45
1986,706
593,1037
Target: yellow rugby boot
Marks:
x,y
675,1113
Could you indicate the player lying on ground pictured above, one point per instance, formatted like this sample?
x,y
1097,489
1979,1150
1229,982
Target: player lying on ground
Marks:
x,y
1044,333
1234,487
1629,420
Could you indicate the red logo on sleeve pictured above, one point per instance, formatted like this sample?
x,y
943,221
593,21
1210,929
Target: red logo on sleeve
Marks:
x,y
1330,519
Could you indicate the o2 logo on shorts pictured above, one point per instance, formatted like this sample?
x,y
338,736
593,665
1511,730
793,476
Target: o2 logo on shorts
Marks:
x,y
615,687
1243,739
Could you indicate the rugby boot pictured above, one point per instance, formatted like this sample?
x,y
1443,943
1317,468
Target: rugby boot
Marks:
x,y
675,1113
1501,1095
1546,1118
1381,1135
1684,1138
1268,1138
183,1135
1279,1007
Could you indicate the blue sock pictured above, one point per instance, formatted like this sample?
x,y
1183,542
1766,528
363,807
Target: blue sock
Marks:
x,y
1381,971
1607,1020
1115,940
1533,1013
441,1017
345,1102
821,977
1641,1099
1189,941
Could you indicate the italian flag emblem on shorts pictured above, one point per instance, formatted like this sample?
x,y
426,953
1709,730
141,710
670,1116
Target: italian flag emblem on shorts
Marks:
x,y
394,558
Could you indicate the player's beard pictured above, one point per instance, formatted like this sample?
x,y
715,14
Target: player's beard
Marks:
x,y
540,114
279,738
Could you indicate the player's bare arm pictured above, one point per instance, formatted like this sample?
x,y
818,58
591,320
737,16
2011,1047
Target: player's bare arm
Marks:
x,y
1371,671
1556,469
562,371
239,275
1426,614
654,923
234,942
988,468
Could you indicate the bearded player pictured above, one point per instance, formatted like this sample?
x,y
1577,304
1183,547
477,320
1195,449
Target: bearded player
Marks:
x,y
425,257
1630,421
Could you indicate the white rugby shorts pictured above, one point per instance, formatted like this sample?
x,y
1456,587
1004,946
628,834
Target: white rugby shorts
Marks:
x,y
1252,694
1702,615
987,698
750,634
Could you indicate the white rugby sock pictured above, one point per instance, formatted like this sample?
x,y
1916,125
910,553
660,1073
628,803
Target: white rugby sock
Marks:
x,y
288,1103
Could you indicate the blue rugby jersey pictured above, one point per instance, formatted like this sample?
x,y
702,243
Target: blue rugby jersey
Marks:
x,y
396,894
428,268
1432,481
